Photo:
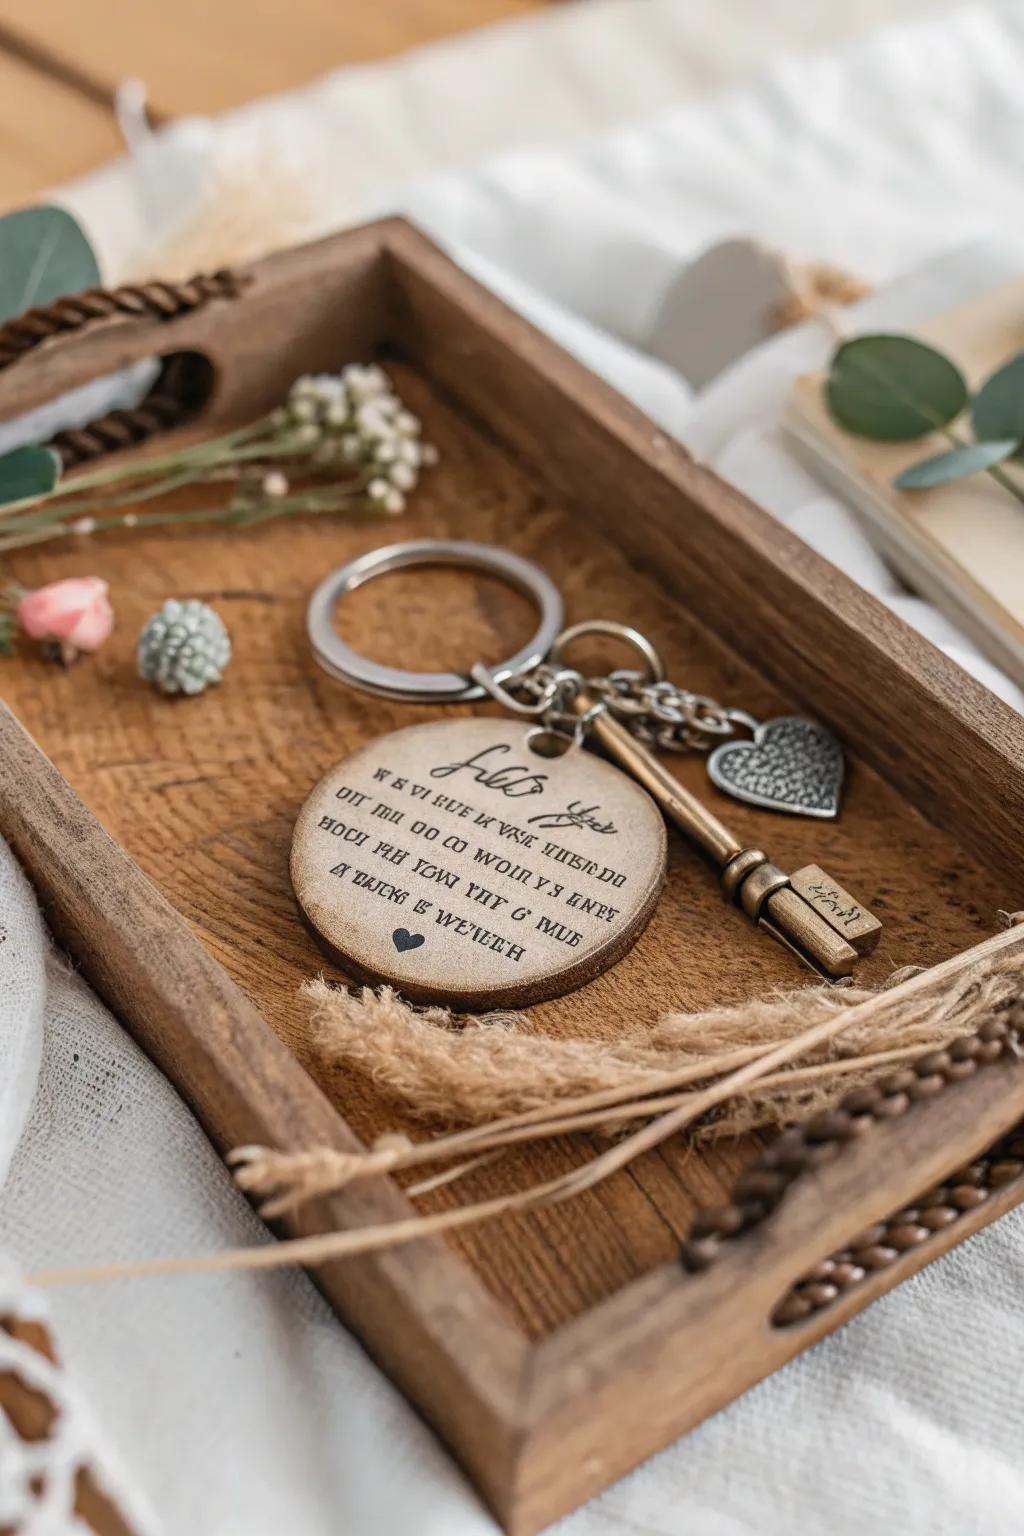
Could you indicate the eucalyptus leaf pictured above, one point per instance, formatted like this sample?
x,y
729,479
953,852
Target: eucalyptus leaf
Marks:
x,y
28,472
953,465
893,388
998,409
44,254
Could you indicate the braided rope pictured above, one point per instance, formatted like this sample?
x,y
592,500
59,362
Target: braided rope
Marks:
x,y
155,301
117,430
820,1139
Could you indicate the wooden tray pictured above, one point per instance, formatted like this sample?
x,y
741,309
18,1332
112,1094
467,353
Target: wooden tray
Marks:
x,y
554,1351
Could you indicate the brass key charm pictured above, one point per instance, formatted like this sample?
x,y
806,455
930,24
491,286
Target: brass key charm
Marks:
x,y
807,912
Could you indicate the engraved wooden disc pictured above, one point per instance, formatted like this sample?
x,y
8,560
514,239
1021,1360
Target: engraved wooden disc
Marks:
x,y
453,861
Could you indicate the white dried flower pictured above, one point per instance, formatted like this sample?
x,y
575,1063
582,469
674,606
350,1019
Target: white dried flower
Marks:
x,y
307,433
302,408
83,525
402,475
370,421
130,520
275,484
394,502
428,454
378,490
351,447
407,423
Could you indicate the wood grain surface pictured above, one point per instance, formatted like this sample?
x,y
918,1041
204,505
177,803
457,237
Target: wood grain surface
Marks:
x,y
48,133
62,60
204,793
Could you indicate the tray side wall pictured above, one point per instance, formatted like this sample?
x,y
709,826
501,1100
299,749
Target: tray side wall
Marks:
x,y
679,1346
946,742
420,1309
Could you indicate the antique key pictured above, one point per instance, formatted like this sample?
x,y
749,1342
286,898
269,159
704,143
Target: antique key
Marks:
x,y
473,862
808,912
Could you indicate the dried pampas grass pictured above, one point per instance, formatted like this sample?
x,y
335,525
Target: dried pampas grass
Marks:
x,y
449,1072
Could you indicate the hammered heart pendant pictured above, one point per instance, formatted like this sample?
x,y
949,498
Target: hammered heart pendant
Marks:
x,y
790,765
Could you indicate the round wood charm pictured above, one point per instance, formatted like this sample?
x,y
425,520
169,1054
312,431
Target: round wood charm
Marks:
x,y
455,862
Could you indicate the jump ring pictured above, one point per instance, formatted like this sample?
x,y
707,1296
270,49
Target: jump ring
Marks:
x,y
616,631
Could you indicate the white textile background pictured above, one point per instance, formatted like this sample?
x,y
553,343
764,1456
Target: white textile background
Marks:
x,y
237,1401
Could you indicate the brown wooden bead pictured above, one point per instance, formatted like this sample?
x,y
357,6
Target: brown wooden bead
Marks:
x,y
820,1293
964,1048
927,1087
847,1274
966,1196
935,1217
698,1255
994,1029
906,1235
892,1105
791,1310
868,1237
823,1270
897,1082
1004,1172
991,1050
875,1257
961,1069
934,1062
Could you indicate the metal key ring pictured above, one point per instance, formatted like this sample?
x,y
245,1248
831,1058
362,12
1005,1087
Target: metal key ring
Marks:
x,y
633,637
342,662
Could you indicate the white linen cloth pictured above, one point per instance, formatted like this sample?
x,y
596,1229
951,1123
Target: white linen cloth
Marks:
x,y
237,1401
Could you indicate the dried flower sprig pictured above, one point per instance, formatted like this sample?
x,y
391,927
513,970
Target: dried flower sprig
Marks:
x,y
65,617
341,443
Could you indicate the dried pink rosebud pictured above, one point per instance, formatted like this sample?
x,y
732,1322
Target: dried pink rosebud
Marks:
x,y
74,614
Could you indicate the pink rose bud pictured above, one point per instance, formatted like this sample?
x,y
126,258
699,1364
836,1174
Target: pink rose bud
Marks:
x,y
74,614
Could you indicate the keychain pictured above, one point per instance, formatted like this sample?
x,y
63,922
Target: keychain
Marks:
x,y
481,862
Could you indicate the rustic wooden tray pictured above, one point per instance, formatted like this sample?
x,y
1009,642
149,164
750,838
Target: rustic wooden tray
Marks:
x,y
556,1350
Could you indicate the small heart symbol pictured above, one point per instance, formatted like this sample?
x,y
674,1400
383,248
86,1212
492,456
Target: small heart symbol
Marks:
x,y
403,939
791,765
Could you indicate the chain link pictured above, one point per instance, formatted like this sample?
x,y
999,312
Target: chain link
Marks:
x,y
660,714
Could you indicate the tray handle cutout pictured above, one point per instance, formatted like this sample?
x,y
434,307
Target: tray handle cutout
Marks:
x,y
841,1207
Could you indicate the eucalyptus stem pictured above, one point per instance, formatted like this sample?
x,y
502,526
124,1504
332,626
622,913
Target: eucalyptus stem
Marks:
x,y
997,472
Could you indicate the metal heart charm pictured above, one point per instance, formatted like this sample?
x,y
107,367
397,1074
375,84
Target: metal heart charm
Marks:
x,y
791,765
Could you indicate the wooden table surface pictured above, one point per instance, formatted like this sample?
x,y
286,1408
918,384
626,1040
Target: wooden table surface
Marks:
x,y
61,61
